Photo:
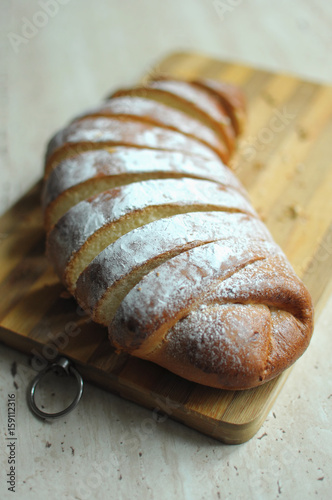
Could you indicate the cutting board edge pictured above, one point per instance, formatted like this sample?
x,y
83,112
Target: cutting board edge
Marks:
x,y
243,64
226,432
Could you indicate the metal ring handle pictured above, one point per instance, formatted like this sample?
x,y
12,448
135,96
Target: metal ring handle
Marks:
x,y
65,365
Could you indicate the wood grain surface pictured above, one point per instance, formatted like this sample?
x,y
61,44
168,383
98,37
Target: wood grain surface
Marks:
x,y
284,162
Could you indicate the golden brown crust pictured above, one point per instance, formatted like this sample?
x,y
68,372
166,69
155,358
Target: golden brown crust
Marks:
x,y
207,101
191,99
239,320
232,99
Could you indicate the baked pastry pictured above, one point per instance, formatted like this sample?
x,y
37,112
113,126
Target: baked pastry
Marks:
x,y
155,237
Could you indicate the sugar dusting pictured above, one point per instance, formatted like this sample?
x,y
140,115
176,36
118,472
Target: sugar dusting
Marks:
x,y
222,338
134,132
85,218
159,112
182,281
149,242
195,96
124,160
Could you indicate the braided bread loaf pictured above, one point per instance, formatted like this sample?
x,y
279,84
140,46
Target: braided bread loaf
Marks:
x,y
155,237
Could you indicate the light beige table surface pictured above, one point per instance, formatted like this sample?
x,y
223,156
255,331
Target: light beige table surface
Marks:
x,y
57,58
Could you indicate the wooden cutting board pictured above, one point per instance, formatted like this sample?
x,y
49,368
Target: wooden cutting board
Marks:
x,y
284,160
